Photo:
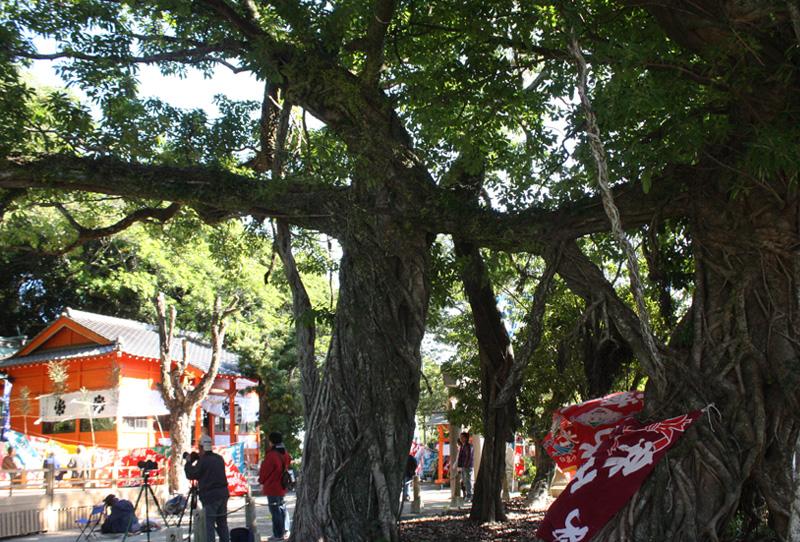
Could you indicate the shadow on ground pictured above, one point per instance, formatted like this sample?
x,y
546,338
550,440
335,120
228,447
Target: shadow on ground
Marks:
x,y
456,526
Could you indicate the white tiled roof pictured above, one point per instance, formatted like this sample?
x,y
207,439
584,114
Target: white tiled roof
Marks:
x,y
67,353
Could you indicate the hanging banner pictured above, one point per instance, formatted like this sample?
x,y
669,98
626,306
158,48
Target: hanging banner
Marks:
x,y
133,398
609,478
78,405
138,400
248,403
213,404
27,455
7,385
578,430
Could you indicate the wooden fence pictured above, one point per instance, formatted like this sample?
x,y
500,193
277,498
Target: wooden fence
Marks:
x,y
50,481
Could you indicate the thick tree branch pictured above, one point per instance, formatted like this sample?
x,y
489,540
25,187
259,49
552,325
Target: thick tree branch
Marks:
x,y
533,333
7,197
304,325
317,207
314,206
166,330
533,230
242,23
302,203
585,279
201,389
382,12
281,136
268,128
191,55
162,214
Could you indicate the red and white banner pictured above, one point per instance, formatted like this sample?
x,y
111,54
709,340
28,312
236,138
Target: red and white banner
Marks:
x,y
609,478
578,430
237,483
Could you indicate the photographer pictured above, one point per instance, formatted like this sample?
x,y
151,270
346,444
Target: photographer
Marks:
x,y
208,469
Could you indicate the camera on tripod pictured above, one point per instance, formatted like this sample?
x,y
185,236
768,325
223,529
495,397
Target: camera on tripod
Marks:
x,y
147,465
191,457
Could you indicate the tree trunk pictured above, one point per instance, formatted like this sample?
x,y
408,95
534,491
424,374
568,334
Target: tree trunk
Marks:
x,y
487,503
743,359
496,359
539,492
360,426
180,436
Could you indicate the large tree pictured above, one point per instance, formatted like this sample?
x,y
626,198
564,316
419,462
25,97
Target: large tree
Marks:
x,y
697,103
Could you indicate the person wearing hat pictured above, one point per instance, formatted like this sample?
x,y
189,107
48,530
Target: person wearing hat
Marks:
x,y
270,475
208,469
122,517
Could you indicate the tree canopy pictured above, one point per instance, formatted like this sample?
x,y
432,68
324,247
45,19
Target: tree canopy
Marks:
x,y
461,118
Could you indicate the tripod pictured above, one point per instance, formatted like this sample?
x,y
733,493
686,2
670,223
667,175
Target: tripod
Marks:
x,y
191,502
148,493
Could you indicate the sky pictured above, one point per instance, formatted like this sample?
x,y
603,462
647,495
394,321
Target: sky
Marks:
x,y
194,91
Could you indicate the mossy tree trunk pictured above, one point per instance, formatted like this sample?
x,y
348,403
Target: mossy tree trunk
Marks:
x,y
360,421
740,355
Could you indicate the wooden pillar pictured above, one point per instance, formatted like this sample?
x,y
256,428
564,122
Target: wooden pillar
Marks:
x,y
198,424
232,410
211,423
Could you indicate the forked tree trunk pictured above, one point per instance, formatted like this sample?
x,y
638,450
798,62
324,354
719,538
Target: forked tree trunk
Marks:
x,y
501,374
744,360
361,422
496,360
181,397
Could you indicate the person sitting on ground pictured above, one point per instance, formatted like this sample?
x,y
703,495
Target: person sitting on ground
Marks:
x,y
122,517
11,463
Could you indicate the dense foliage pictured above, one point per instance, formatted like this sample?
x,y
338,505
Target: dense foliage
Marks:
x,y
461,118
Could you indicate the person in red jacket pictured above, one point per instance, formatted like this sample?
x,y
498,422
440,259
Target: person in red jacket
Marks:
x,y
276,462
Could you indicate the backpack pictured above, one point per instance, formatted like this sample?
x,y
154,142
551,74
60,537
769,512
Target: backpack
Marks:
x,y
175,505
286,478
241,534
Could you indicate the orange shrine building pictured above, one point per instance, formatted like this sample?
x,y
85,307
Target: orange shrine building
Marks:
x,y
111,398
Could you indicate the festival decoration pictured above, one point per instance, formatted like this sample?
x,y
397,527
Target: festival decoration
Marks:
x,y
578,430
609,477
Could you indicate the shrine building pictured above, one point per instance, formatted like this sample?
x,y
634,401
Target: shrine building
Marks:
x,y
110,398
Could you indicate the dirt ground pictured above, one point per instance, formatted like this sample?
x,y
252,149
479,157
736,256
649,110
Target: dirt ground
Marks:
x,y
456,527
